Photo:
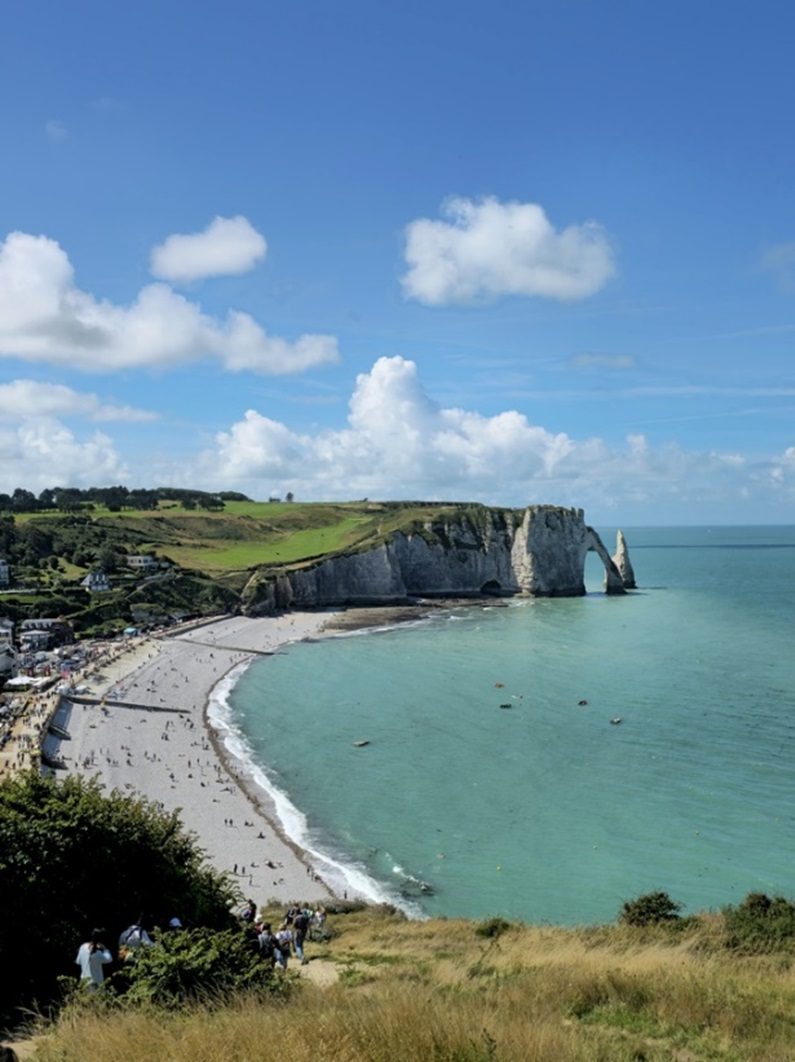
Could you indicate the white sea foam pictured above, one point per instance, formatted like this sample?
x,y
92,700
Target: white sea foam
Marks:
x,y
343,877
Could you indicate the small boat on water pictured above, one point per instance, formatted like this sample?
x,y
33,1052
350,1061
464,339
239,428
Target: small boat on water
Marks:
x,y
361,744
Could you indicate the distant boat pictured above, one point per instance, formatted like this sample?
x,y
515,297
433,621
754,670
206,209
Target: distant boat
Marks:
x,y
616,721
361,744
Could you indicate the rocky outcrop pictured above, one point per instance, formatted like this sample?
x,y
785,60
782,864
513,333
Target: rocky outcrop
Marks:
x,y
623,563
539,551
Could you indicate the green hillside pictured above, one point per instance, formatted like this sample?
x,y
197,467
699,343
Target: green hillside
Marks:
x,y
205,557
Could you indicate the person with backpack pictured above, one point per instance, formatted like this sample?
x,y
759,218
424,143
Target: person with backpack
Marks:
x,y
284,939
133,938
300,930
267,944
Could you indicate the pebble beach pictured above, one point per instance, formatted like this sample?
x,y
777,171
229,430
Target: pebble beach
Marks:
x,y
146,731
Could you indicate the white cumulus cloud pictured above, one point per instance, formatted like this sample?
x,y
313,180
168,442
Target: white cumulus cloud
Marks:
x,y
42,452
227,247
45,317
486,249
399,443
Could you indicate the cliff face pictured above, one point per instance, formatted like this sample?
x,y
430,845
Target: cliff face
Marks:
x,y
540,552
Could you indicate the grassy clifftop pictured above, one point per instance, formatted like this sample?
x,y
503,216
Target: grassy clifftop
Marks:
x,y
255,534
208,556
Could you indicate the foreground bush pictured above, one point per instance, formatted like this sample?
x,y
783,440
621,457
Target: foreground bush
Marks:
x,y
194,965
761,924
650,909
71,859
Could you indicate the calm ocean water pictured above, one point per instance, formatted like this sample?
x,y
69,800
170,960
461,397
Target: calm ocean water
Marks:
x,y
546,811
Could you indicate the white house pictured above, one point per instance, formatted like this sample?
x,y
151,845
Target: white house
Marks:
x,y
96,582
143,562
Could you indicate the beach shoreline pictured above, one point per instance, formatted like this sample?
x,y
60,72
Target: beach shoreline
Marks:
x,y
147,730
152,724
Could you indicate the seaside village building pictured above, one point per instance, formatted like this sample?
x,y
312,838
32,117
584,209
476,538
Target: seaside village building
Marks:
x,y
143,562
96,582
8,655
39,634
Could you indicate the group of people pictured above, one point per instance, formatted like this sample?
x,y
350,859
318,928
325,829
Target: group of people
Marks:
x,y
277,946
94,955
273,947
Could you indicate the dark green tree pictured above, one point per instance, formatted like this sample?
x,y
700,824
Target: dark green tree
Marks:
x,y
73,858
23,501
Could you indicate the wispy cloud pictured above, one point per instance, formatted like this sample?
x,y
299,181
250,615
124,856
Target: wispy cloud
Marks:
x,y
55,131
611,362
29,399
779,259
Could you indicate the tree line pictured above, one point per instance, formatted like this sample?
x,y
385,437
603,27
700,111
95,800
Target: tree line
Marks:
x,y
115,499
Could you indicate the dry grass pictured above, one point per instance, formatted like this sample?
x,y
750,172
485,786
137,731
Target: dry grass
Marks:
x,y
437,990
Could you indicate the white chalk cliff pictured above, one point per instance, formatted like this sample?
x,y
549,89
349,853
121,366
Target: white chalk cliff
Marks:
x,y
539,551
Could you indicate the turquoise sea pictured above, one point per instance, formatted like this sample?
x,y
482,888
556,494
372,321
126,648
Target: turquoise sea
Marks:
x,y
516,799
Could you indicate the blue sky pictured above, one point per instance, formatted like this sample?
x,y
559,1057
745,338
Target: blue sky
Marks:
x,y
507,252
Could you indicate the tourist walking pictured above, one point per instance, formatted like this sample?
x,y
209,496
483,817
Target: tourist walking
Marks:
x,y
300,929
267,944
131,939
91,957
284,939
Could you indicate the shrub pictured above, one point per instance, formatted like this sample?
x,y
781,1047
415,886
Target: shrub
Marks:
x,y
72,859
492,927
196,965
760,924
650,909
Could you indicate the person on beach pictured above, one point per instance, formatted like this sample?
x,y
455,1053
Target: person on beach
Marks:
x,y
91,957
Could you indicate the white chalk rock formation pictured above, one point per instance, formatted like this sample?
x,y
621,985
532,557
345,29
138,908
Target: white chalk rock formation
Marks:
x,y
623,563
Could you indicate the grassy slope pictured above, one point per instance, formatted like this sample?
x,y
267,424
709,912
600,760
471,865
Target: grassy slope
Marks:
x,y
386,989
247,535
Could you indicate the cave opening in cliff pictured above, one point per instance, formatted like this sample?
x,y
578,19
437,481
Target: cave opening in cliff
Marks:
x,y
492,588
